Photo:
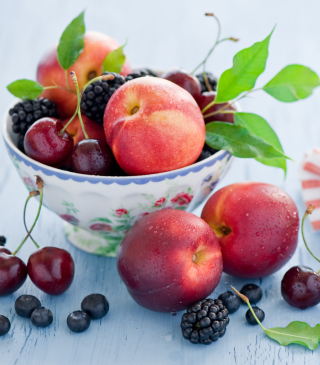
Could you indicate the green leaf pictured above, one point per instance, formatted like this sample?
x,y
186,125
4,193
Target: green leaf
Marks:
x,y
25,89
296,332
239,141
114,60
71,42
292,83
260,128
248,64
105,220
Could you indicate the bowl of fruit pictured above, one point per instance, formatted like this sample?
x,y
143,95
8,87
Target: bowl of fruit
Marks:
x,y
111,144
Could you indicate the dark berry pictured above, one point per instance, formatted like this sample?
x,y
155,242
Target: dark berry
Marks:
x,y
258,312
41,317
140,73
2,240
211,79
25,305
253,292
95,305
4,325
205,321
78,321
97,95
231,301
25,113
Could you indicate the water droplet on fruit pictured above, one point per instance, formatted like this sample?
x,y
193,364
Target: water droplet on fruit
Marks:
x,y
278,248
257,234
247,214
262,247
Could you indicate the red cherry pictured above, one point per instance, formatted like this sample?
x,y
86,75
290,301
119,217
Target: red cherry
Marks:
x,y
5,250
300,287
185,80
13,273
51,269
92,157
206,98
44,143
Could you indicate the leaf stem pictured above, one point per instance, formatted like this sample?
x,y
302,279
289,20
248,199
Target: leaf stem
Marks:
x,y
309,210
40,186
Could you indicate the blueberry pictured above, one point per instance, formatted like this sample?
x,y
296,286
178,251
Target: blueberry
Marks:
x,y
25,305
78,321
231,301
258,312
41,317
253,292
4,325
95,305
2,240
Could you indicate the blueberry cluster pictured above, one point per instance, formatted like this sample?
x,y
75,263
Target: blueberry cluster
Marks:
x,y
28,306
213,81
25,113
205,321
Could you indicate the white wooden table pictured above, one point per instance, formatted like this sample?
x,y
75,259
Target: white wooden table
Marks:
x,y
163,34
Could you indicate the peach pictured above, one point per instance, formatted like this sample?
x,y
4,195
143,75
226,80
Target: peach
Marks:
x,y
169,259
257,227
152,126
88,65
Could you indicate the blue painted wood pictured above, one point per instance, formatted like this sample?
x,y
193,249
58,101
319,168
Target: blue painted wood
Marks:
x,y
161,34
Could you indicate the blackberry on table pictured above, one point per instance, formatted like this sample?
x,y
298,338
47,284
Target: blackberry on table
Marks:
x,y
97,95
205,321
141,72
213,81
26,112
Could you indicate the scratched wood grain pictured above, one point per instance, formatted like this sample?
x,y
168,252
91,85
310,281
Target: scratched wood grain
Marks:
x,y
161,34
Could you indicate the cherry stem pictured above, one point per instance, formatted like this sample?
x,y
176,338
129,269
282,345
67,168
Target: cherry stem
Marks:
x,y
218,41
309,210
40,187
246,300
31,194
67,80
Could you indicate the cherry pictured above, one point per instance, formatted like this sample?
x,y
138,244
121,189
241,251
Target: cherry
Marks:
x,y
92,157
300,287
13,273
185,80
5,250
51,269
47,142
205,99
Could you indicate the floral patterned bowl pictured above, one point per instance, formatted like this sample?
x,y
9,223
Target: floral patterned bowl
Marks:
x,y
99,210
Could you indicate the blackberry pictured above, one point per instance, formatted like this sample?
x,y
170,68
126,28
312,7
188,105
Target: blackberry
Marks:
x,y
141,72
258,312
26,112
231,301
97,95
213,81
253,292
95,305
205,321
3,240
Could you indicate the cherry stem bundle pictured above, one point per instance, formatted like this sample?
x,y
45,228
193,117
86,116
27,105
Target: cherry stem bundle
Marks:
x,y
309,210
40,187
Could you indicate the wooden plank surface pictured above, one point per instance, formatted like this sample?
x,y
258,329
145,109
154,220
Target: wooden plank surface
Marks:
x,y
161,35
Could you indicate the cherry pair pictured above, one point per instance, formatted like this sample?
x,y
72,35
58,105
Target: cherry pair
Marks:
x,y
51,269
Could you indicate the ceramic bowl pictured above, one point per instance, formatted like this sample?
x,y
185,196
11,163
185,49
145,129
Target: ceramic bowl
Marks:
x,y
99,210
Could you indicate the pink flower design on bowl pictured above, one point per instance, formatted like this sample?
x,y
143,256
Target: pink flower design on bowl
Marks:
x,y
70,218
101,227
182,199
159,202
121,212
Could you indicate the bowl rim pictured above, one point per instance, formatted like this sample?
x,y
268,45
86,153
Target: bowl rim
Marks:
x,y
121,180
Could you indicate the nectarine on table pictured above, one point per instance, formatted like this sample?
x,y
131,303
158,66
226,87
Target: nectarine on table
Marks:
x,y
169,259
257,227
